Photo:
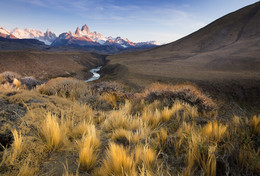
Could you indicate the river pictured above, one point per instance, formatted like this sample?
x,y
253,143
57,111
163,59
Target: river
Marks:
x,y
95,73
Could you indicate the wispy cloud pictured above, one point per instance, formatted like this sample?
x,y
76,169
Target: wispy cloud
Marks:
x,y
126,15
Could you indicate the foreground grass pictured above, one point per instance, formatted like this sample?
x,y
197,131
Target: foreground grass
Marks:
x,y
72,128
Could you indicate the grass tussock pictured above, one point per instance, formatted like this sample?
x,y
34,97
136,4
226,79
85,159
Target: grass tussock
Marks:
x,y
27,170
255,124
88,149
214,131
52,133
17,144
102,129
118,161
65,87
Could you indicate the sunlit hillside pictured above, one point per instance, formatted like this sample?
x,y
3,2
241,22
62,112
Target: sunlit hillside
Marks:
x,y
69,127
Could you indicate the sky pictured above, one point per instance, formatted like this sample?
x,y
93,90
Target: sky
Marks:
x,y
163,21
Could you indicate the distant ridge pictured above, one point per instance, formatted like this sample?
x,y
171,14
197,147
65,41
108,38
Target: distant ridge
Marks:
x,y
83,37
80,40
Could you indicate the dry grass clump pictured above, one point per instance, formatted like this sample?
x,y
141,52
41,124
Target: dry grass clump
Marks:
x,y
110,98
214,131
184,92
17,83
162,136
2,79
118,161
17,144
10,76
255,124
108,87
122,136
88,149
51,132
27,170
146,156
65,87
122,161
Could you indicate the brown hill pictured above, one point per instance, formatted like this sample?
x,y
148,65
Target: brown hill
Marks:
x,y
46,65
224,53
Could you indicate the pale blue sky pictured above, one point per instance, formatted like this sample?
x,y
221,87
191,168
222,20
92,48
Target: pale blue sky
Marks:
x,y
137,20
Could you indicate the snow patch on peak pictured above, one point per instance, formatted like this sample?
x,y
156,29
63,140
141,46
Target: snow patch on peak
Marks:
x,y
4,31
48,37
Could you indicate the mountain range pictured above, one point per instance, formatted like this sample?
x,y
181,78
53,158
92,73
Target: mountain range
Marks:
x,y
80,38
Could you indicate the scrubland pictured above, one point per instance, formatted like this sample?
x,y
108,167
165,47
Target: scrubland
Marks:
x,y
75,128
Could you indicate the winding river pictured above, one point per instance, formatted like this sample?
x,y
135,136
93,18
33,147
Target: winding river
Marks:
x,y
96,75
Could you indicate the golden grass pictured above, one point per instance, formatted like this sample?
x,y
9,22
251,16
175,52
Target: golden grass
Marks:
x,y
151,117
2,79
88,149
215,131
158,138
255,124
118,162
27,170
52,133
162,136
121,135
66,170
166,114
249,158
17,145
146,155
110,98
204,155
17,83
65,87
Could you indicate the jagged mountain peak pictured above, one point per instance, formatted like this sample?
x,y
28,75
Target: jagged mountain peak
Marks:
x,y
85,28
48,37
83,37
6,33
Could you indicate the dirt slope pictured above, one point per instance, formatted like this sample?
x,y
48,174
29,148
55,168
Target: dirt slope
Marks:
x,y
45,65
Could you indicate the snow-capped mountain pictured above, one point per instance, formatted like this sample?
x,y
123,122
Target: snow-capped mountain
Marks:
x,y
48,37
6,34
83,37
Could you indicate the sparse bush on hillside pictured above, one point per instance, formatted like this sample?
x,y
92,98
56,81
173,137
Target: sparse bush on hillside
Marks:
x,y
2,79
184,92
10,76
30,82
65,87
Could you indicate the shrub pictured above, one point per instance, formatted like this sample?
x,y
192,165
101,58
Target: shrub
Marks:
x,y
184,92
65,87
2,79
30,82
10,76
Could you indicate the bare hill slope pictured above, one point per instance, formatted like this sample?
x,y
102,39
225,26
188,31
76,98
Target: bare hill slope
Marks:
x,y
225,52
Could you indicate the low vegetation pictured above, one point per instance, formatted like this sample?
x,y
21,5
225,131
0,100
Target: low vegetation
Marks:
x,y
77,128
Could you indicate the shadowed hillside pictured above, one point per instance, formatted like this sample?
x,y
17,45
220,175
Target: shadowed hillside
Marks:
x,y
218,56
